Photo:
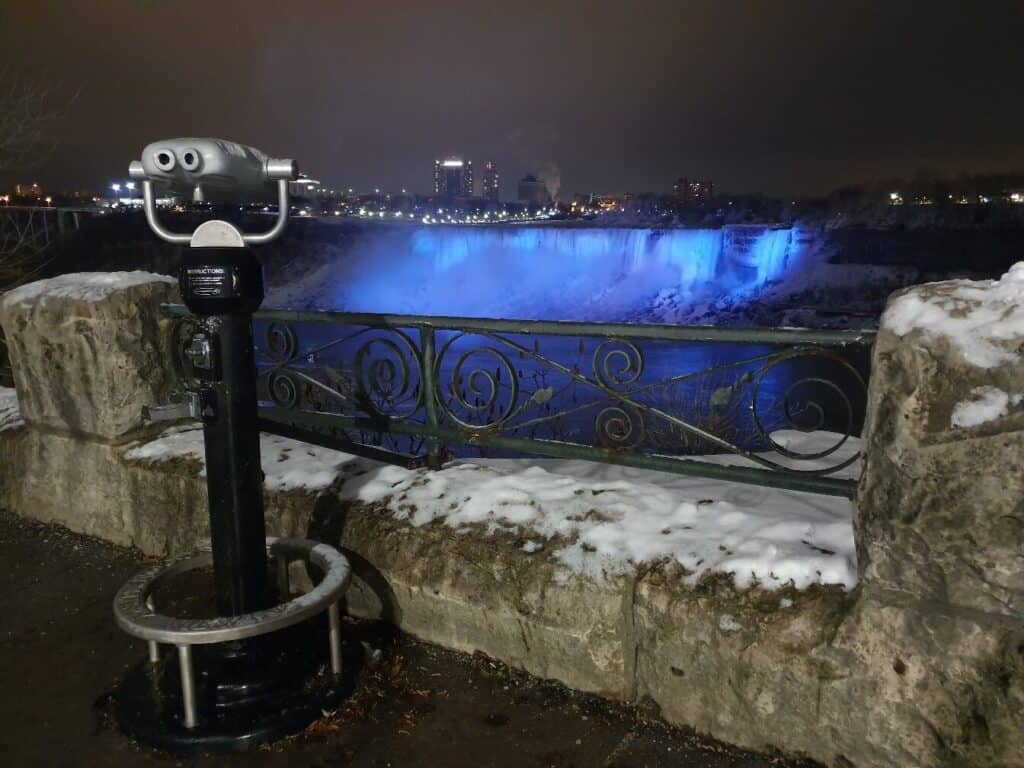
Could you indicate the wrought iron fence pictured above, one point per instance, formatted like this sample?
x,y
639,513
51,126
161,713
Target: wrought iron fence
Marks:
x,y
685,399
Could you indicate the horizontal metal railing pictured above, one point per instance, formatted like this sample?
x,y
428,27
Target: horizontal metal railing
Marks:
x,y
701,333
660,397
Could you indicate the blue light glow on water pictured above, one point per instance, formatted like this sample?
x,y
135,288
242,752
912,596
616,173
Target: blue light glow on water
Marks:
x,y
536,272
553,273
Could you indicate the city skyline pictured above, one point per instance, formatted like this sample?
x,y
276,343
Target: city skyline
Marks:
x,y
787,98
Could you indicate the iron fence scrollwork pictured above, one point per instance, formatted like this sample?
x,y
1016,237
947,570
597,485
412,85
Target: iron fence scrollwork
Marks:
x,y
681,399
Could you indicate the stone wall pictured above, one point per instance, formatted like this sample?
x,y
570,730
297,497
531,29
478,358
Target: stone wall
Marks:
x,y
940,532
921,665
88,351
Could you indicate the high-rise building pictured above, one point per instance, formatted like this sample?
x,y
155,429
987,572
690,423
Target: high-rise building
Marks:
x,y
304,186
700,191
489,184
693,191
533,191
27,190
453,177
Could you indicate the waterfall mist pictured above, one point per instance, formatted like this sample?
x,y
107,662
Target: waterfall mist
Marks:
x,y
536,272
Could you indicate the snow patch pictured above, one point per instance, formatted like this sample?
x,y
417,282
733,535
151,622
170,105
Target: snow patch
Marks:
x,y
82,286
596,520
815,295
287,464
973,315
10,412
985,404
602,520
727,623
183,442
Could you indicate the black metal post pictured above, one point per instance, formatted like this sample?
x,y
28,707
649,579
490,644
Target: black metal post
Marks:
x,y
234,480
225,286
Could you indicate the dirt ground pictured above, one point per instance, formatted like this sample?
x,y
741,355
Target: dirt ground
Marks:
x,y
418,705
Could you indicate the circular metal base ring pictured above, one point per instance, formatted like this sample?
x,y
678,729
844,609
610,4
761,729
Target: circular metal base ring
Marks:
x,y
135,613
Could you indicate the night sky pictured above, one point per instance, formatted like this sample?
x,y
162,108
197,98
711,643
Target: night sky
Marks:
x,y
775,97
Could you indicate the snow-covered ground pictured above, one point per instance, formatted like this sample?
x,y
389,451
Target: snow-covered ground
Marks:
x,y
594,519
10,413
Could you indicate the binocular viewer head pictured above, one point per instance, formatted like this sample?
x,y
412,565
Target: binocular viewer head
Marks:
x,y
224,167
213,169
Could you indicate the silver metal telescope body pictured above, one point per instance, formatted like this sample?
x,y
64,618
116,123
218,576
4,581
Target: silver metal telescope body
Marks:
x,y
203,168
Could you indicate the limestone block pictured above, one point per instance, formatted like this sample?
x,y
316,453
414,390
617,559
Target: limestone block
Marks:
x,y
940,508
738,665
88,487
89,350
928,668
921,683
473,592
11,468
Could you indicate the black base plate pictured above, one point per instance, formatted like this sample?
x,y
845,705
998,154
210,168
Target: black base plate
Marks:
x,y
247,694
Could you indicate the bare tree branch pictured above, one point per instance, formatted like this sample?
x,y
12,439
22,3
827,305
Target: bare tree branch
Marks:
x,y
27,114
25,244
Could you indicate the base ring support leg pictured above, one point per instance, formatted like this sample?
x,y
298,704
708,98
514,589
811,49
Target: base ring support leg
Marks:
x,y
188,685
334,619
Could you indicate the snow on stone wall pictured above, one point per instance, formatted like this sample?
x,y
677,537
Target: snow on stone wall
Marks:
x,y
288,465
977,317
596,519
603,520
81,286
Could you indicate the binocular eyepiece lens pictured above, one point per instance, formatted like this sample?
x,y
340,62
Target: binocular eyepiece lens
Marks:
x,y
190,160
165,160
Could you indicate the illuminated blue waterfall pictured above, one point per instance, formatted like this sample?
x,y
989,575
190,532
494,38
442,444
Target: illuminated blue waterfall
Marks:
x,y
537,272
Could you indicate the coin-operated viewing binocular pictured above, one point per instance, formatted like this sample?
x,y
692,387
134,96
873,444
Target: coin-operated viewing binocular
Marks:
x,y
221,282
213,169
253,673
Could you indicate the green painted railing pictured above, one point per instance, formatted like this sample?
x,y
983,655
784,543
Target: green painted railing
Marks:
x,y
680,399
